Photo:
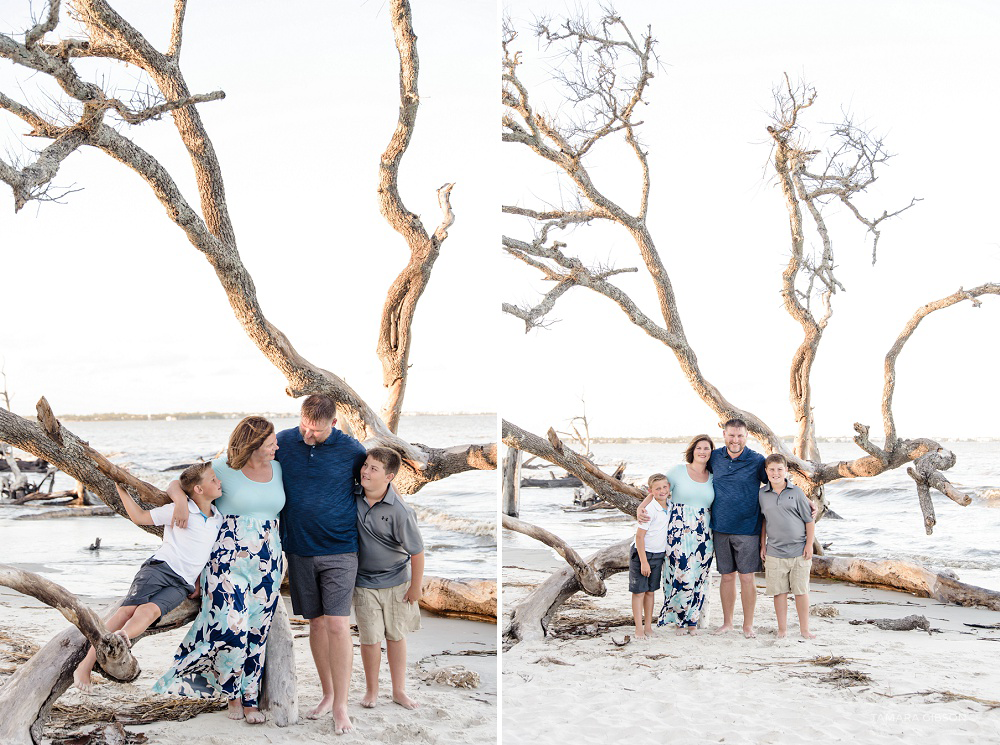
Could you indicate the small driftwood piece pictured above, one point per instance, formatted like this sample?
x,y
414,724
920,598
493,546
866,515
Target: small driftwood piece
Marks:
x,y
909,623
98,511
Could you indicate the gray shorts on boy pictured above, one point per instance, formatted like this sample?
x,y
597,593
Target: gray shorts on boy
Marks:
x,y
637,583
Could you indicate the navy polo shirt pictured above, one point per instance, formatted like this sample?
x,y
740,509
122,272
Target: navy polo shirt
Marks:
x,y
319,514
736,508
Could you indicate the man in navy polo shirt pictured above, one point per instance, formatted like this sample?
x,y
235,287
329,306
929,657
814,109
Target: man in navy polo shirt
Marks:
x,y
319,534
737,473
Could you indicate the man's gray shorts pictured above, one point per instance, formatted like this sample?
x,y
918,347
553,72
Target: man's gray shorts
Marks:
x,y
737,553
322,585
157,583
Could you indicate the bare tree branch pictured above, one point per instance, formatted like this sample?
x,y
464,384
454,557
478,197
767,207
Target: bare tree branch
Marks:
x,y
591,583
177,30
395,332
889,388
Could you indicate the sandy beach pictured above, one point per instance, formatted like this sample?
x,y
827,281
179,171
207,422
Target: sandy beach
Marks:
x,y
447,714
890,687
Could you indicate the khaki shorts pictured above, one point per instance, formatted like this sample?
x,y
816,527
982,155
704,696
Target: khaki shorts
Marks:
x,y
786,575
384,614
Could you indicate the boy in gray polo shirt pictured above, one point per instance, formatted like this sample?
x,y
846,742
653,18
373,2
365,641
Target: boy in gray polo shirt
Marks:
x,y
390,574
786,543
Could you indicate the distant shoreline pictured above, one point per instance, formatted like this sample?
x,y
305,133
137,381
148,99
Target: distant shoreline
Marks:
x,y
685,439
199,415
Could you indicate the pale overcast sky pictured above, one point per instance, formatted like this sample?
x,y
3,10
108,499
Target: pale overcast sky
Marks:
x,y
107,307
920,73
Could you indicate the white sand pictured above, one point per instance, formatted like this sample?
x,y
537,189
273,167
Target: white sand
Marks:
x,y
447,714
728,689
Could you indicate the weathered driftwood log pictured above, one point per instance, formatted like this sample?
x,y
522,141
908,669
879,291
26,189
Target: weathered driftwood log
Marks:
x,y
98,511
512,483
899,575
553,482
585,574
475,600
909,623
531,617
278,685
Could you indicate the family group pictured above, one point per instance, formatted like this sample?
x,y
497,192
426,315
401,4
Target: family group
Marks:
x,y
314,497
732,504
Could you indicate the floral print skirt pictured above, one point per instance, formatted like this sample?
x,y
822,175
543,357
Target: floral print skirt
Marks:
x,y
223,652
685,571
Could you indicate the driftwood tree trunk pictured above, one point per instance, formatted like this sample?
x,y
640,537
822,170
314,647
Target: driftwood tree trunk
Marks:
x,y
27,696
210,231
511,481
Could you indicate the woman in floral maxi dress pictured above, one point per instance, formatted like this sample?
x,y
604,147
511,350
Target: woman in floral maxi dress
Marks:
x,y
689,538
223,652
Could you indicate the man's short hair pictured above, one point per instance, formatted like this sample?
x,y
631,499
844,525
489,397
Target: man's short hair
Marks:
x,y
389,459
735,423
192,476
775,458
654,478
319,408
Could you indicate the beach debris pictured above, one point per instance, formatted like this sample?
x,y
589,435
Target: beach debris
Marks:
x,y
553,661
983,625
112,734
100,511
622,643
452,675
828,660
946,697
96,545
846,678
909,623
118,706
824,611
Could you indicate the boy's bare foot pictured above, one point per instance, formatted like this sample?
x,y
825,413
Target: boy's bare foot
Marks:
x,y
808,635
124,636
405,701
723,629
325,706
749,633
639,636
369,700
235,709
342,723
83,682
781,634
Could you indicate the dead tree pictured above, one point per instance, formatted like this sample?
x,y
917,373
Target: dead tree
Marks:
x,y
606,70
209,229
90,115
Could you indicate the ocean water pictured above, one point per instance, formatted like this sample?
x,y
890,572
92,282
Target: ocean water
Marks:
x,y
457,515
881,516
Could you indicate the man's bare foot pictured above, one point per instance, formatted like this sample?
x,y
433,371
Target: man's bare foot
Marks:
x,y
405,701
83,682
253,715
723,629
369,700
749,633
781,634
342,723
808,635
325,706
235,709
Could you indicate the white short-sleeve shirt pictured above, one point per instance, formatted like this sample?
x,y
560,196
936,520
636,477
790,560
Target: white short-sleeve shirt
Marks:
x,y
656,528
187,550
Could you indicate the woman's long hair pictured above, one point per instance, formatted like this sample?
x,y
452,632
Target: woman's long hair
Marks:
x,y
247,437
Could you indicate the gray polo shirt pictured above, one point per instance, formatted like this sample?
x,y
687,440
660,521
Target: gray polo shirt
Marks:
x,y
387,537
786,515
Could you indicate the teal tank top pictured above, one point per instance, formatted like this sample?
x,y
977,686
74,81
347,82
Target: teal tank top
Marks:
x,y
246,498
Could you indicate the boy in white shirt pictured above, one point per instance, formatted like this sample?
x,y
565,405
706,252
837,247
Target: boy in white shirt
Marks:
x,y
647,555
169,575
